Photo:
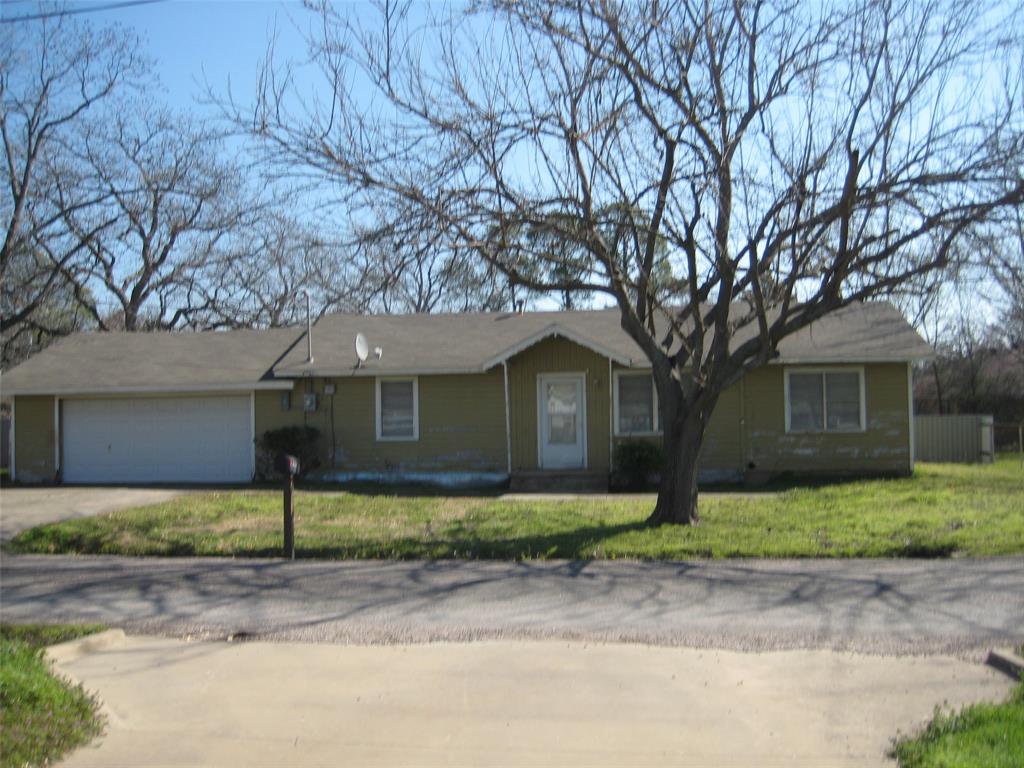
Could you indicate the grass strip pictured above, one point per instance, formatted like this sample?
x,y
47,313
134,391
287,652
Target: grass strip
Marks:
x,y
978,736
941,511
42,716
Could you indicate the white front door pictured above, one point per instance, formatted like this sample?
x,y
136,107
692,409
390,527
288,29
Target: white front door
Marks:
x,y
562,422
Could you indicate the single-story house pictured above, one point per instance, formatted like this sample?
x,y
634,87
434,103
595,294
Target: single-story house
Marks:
x,y
451,398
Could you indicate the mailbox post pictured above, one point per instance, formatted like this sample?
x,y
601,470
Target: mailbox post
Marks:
x,y
288,466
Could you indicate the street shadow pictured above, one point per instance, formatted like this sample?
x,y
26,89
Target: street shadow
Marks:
x,y
928,604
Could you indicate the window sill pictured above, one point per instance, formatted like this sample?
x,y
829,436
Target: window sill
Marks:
x,y
855,431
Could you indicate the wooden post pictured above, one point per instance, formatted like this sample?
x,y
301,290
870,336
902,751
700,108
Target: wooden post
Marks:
x,y
289,517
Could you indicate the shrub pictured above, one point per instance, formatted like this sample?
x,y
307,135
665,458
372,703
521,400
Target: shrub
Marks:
x,y
300,442
637,464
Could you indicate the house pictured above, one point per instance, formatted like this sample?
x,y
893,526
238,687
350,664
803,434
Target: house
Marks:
x,y
458,398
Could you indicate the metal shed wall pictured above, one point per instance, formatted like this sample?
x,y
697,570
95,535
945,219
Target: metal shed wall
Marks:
x,y
963,438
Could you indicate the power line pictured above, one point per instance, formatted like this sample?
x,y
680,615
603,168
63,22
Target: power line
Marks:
x,y
71,11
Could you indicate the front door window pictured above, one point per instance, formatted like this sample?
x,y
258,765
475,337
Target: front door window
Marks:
x,y
561,423
562,405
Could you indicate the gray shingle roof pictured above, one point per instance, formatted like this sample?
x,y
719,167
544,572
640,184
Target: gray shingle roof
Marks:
x,y
448,343
873,332
95,363
412,344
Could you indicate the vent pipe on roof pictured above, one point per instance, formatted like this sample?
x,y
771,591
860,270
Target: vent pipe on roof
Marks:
x,y
309,330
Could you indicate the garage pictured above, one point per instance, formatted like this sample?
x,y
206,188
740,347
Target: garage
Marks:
x,y
197,439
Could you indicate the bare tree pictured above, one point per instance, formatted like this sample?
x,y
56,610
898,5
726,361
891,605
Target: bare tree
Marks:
x,y
258,276
56,315
1000,251
794,158
54,74
166,203
404,264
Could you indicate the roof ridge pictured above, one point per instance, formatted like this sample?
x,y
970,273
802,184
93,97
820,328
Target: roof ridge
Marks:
x,y
480,313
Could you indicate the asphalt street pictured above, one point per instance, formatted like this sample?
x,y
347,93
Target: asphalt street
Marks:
x,y
962,607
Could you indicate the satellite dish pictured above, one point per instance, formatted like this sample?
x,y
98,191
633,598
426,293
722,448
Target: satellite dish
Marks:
x,y
362,348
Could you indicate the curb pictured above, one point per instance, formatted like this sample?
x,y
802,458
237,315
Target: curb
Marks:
x,y
74,649
1007,662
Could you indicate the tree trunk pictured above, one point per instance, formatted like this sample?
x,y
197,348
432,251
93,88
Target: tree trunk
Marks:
x,y
677,493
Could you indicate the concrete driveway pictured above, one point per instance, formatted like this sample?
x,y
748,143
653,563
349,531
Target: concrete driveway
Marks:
x,y
174,703
23,508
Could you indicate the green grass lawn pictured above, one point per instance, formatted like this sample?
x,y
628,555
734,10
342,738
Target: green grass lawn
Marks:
x,y
41,716
979,736
943,510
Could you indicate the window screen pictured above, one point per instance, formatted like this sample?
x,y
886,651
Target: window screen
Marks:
x,y
397,415
806,404
636,404
842,393
825,401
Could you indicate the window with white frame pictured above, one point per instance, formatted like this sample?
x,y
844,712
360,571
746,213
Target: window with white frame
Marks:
x,y
826,400
398,409
636,404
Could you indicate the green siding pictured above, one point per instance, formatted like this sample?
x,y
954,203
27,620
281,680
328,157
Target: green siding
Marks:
x,y
749,427
722,452
34,439
883,447
557,356
723,439
461,424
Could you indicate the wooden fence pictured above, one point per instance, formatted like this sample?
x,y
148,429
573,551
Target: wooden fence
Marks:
x,y
966,439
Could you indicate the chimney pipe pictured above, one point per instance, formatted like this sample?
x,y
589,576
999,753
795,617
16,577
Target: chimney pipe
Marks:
x,y
309,330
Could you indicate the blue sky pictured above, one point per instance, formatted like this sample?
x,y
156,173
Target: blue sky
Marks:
x,y
195,39
193,42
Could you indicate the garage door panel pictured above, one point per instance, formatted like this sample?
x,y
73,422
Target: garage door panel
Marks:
x,y
157,439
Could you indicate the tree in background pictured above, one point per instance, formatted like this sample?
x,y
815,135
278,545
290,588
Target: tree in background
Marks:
x,y
975,323
793,158
1000,251
404,264
54,76
119,214
167,203
257,279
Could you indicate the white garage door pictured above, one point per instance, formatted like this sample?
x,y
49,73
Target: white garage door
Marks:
x,y
157,439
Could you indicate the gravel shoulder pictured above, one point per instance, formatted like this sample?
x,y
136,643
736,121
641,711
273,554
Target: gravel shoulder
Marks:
x,y
960,607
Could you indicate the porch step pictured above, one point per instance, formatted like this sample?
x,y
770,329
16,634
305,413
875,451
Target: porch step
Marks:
x,y
547,481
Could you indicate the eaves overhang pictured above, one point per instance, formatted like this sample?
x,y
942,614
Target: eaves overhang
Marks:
x,y
555,330
852,359
184,389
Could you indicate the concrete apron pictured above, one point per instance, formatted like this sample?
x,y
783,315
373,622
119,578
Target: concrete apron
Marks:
x,y
178,703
